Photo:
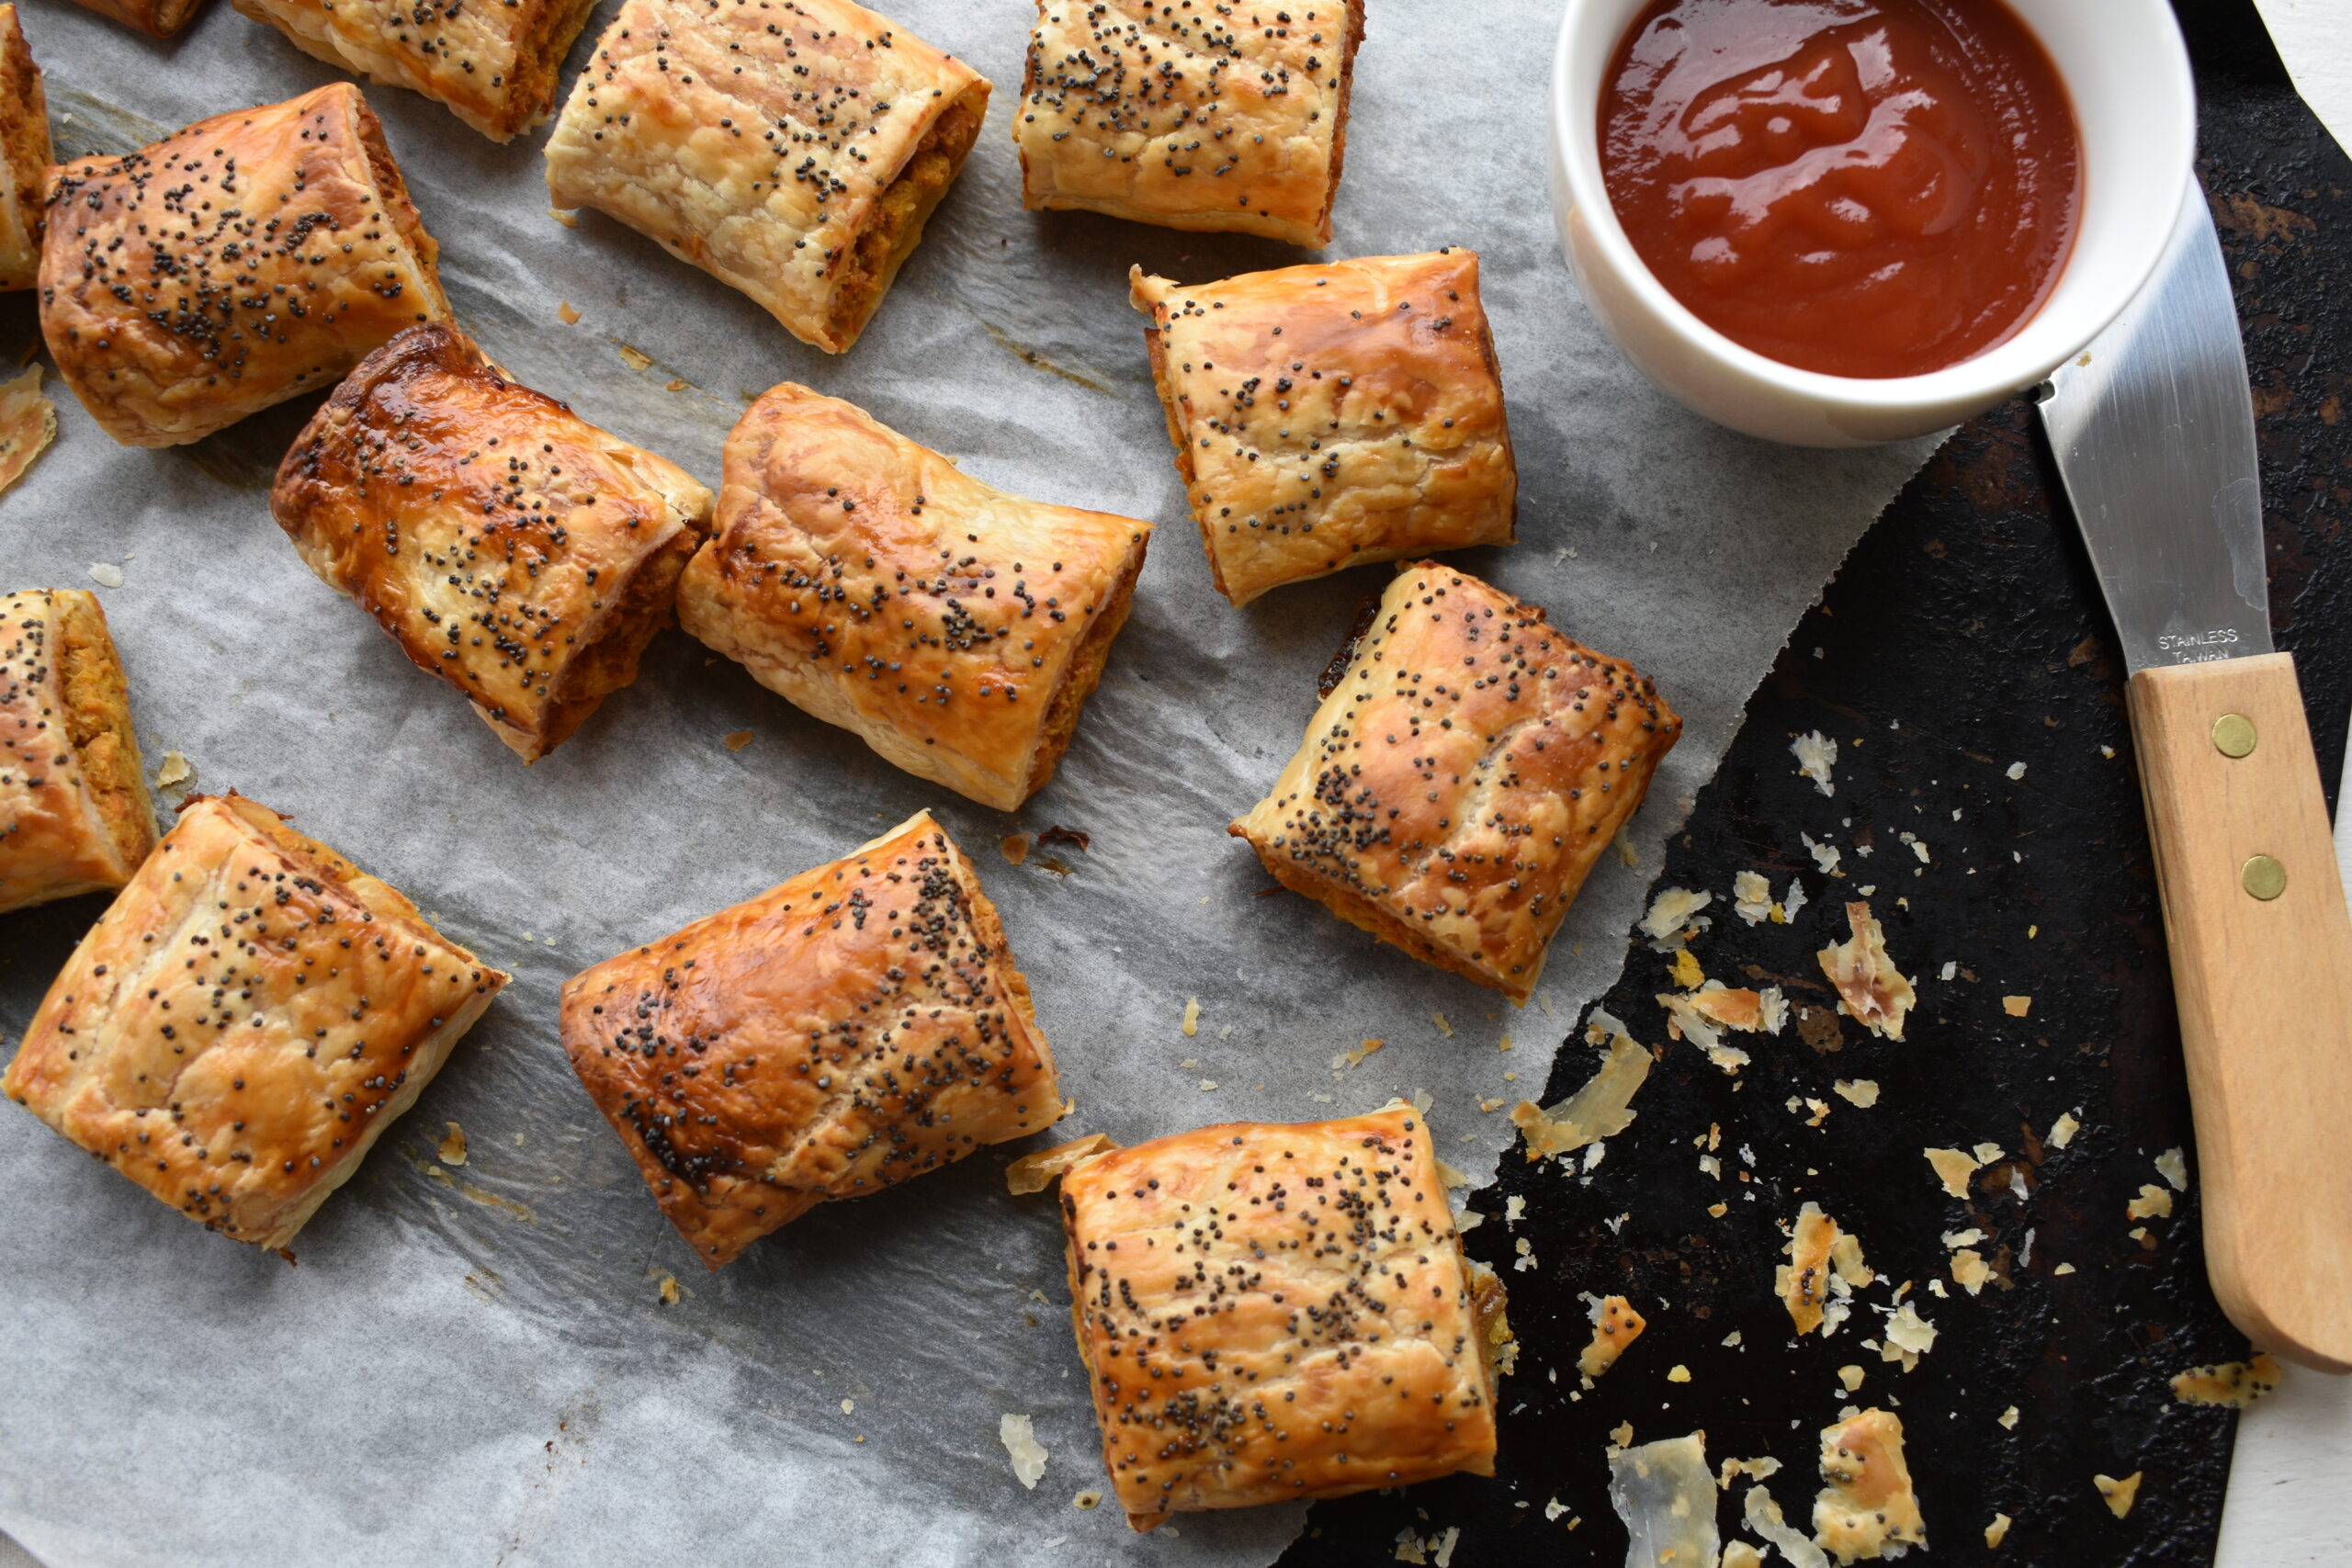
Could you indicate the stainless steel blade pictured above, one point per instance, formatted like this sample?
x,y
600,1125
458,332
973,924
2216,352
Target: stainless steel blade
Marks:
x,y
2153,429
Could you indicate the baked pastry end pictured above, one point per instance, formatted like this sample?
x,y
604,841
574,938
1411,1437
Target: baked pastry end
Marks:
x,y
75,813
24,155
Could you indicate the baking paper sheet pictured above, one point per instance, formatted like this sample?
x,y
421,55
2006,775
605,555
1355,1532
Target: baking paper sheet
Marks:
x,y
475,1365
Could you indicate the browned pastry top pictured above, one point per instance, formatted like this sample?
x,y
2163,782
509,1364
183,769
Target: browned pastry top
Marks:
x,y
245,1018
856,1026
1271,1311
1463,776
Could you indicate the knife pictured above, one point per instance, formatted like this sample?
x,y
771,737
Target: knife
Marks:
x,y
2152,427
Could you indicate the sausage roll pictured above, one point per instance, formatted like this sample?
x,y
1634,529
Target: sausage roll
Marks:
x,y
242,261
859,1025
956,628
1459,781
160,17
1268,1312
791,151
494,66
1236,120
74,815
1326,416
24,155
510,547
28,424
245,1020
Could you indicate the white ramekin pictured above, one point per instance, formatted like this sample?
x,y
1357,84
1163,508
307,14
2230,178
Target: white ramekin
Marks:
x,y
2136,109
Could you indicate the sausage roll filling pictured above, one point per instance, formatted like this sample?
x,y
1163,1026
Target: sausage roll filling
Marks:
x,y
1461,780
75,815
495,65
793,153
245,260
510,547
1327,416
859,1025
245,1020
24,155
1270,1311
1233,117
956,628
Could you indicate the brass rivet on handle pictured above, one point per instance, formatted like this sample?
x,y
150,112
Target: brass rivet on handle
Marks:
x,y
2263,876
2233,735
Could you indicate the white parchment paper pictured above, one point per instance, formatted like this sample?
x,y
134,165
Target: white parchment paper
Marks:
x,y
475,1366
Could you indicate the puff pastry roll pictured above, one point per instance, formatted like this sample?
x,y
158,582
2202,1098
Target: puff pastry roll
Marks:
x,y
75,815
956,628
507,545
160,17
1268,1312
792,152
494,64
1326,416
245,1020
24,155
1459,783
1226,116
242,261
857,1026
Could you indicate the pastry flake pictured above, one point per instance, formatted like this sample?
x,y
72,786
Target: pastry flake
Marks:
x,y
245,1020
24,155
242,261
792,149
1227,116
75,813
494,64
1463,778
1270,1311
507,545
1866,1507
956,628
1324,417
858,1025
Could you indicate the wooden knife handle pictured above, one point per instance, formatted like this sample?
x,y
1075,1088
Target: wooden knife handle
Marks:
x,y
2262,969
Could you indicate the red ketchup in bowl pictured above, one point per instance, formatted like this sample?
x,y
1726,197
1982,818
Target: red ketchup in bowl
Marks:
x,y
1860,187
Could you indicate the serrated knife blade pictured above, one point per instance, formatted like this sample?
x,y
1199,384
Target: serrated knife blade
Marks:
x,y
2153,428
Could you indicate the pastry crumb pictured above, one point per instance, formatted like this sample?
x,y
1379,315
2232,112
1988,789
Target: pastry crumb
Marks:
x,y
453,1148
1087,1499
1952,1169
1019,1435
668,1289
566,315
1443,1027
1998,1531
175,771
2063,1131
1751,898
848,1405
1867,1508
676,384
1851,1375
1615,1325
635,359
1035,1172
1601,1108
1678,1373
1816,756
1857,1091
2234,1384
1876,993
2007,1418
2017,770
1909,1337
106,574
1192,1025
2120,1495
1969,1269
1015,847
2152,1203
737,739
2017,1007
1674,913
2173,1165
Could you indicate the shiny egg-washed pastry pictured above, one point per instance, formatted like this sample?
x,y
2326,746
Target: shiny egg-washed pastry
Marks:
x,y
792,149
242,261
75,815
1461,780
247,1017
1327,416
956,628
493,62
24,155
160,18
1271,1311
507,545
859,1025
1229,117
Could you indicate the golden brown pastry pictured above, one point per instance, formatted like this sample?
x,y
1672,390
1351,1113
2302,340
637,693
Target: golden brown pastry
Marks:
x,y
1327,416
242,261
1224,116
24,155
792,152
1458,783
494,64
245,1020
160,17
27,423
74,815
510,547
1268,1312
956,628
859,1025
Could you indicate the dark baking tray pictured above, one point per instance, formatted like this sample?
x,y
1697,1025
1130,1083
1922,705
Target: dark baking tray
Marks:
x,y
1965,634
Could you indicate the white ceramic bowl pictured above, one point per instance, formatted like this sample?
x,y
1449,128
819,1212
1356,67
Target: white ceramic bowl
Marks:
x,y
2136,110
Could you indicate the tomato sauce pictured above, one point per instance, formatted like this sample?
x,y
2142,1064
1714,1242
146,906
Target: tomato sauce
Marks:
x,y
1863,188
